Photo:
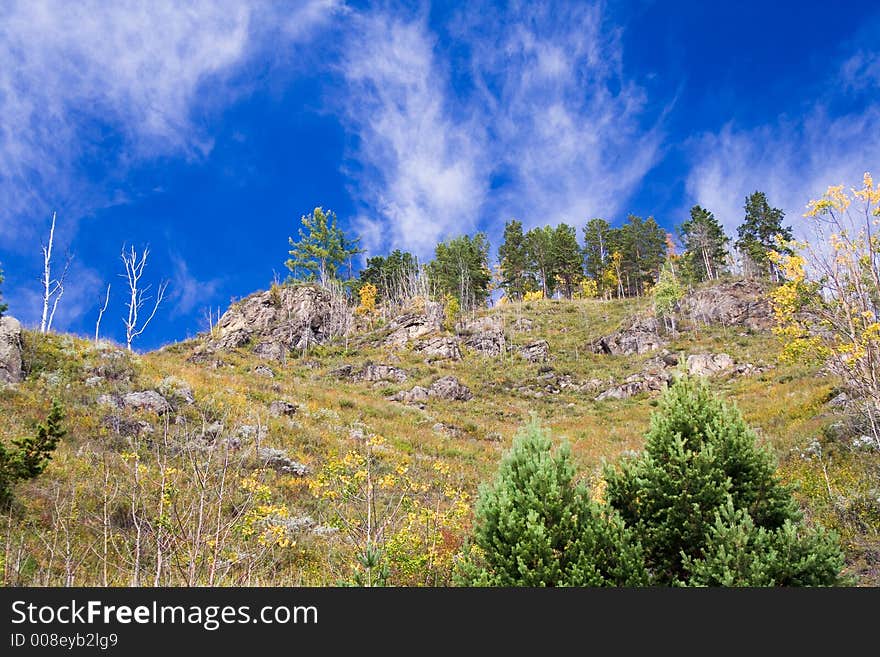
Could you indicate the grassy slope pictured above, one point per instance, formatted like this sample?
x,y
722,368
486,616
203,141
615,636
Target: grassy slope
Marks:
x,y
785,405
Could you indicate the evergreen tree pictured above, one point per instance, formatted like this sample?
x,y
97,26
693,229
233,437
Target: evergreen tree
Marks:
x,y
536,526
599,244
643,247
759,233
461,268
392,275
699,459
539,249
323,248
3,306
513,259
31,453
567,260
705,245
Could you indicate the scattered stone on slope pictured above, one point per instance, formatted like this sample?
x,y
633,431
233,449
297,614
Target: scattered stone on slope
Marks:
x,y
278,460
709,364
449,387
534,352
277,321
439,348
523,324
380,372
485,335
10,350
730,303
280,407
146,400
640,336
414,324
176,391
94,381
126,426
262,370
109,400
415,395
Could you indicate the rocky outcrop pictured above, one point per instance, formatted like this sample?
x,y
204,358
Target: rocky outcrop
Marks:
x,y
709,364
379,372
535,352
278,460
279,408
146,400
279,321
438,348
484,335
447,387
640,336
415,324
10,350
729,303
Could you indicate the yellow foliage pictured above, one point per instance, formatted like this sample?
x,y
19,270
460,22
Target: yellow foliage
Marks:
x,y
537,295
367,294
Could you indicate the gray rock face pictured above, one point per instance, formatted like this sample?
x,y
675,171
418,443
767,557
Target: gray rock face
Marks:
x,y
291,317
278,460
639,337
417,395
449,387
709,364
10,350
731,303
439,348
176,391
485,335
146,400
535,352
523,324
416,324
379,372
279,408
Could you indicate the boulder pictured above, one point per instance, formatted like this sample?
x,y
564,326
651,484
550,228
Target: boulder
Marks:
x,y
176,391
146,400
730,303
278,460
449,387
439,348
640,336
709,364
485,335
535,352
10,350
416,395
523,324
279,408
379,372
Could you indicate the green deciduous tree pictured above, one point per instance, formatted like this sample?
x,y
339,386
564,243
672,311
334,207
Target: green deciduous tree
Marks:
x,y
461,268
667,292
702,489
322,249
539,249
759,234
536,526
31,454
705,245
598,247
391,275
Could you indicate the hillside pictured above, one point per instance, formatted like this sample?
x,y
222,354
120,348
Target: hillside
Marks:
x,y
243,456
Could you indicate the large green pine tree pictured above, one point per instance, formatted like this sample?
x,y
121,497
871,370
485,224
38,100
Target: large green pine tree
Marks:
x,y
705,245
643,246
539,249
31,453
513,259
322,250
392,275
702,487
461,268
760,233
567,260
535,525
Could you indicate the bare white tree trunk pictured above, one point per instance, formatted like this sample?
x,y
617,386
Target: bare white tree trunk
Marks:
x,y
134,270
53,289
101,313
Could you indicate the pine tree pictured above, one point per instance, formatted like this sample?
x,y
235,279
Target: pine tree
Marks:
x,y
513,259
566,257
705,245
535,526
760,233
643,246
391,275
699,459
461,268
31,454
323,248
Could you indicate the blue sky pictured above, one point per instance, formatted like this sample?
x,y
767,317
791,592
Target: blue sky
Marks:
x,y
207,132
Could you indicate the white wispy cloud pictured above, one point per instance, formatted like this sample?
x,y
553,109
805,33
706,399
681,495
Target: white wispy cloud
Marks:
x,y
88,88
792,161
544,127
187,292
